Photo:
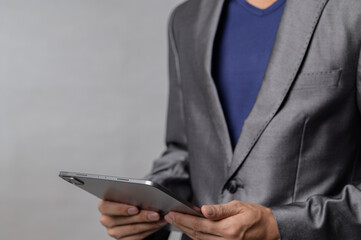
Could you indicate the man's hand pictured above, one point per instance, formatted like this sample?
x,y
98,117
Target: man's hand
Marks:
x,y
127,222
235,221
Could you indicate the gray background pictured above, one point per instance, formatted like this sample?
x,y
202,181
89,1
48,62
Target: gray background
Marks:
x,y
83,87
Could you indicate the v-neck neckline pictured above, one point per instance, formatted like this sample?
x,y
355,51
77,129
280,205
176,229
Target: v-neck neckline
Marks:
x,y
258,11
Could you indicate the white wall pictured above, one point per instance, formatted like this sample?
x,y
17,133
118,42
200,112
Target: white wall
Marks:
x,y
83,87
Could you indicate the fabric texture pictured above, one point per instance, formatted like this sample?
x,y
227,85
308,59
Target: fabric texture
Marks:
x,y
242,47
299,149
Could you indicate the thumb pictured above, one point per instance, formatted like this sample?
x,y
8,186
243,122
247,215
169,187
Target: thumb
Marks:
x,y
218,212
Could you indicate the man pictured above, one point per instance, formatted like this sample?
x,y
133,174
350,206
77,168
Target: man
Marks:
x,y
288,165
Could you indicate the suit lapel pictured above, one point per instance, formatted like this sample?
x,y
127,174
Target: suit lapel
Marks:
x,y
205,32
295,30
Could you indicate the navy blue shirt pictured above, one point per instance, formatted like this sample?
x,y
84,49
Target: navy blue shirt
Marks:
x,y
242,49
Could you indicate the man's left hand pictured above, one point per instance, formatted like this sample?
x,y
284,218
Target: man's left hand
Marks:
x,y
234,221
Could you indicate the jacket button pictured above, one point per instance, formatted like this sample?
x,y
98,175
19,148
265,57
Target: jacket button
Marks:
x,y
232,186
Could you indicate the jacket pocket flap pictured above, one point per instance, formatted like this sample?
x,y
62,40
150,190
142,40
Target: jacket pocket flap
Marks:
x,y
318,79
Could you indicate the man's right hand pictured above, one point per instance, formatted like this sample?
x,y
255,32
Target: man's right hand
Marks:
x,y
127,222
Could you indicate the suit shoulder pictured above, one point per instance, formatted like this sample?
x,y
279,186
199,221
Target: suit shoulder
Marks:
x,y
183,16
349,6
185,6
347,12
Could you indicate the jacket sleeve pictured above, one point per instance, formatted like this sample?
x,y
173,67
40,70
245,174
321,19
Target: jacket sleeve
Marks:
x,y
171,169
321,217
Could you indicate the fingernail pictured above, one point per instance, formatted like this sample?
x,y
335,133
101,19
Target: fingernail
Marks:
x,y
166,217
162,223
133,211
209,210
153,216
169,218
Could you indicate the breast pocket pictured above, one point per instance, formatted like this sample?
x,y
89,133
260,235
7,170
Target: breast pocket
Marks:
x,y
324,79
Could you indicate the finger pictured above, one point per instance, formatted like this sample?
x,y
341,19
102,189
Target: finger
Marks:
x,y
139,236
197,224
143,217
198,235
218,212
113,208
134,229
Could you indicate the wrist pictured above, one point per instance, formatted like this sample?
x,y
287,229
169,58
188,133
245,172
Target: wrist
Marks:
x,y
272,228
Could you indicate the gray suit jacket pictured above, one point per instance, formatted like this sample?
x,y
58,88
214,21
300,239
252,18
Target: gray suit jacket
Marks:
x,y
299,150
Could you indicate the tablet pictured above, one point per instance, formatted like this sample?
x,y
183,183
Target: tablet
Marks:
x,y
141,193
